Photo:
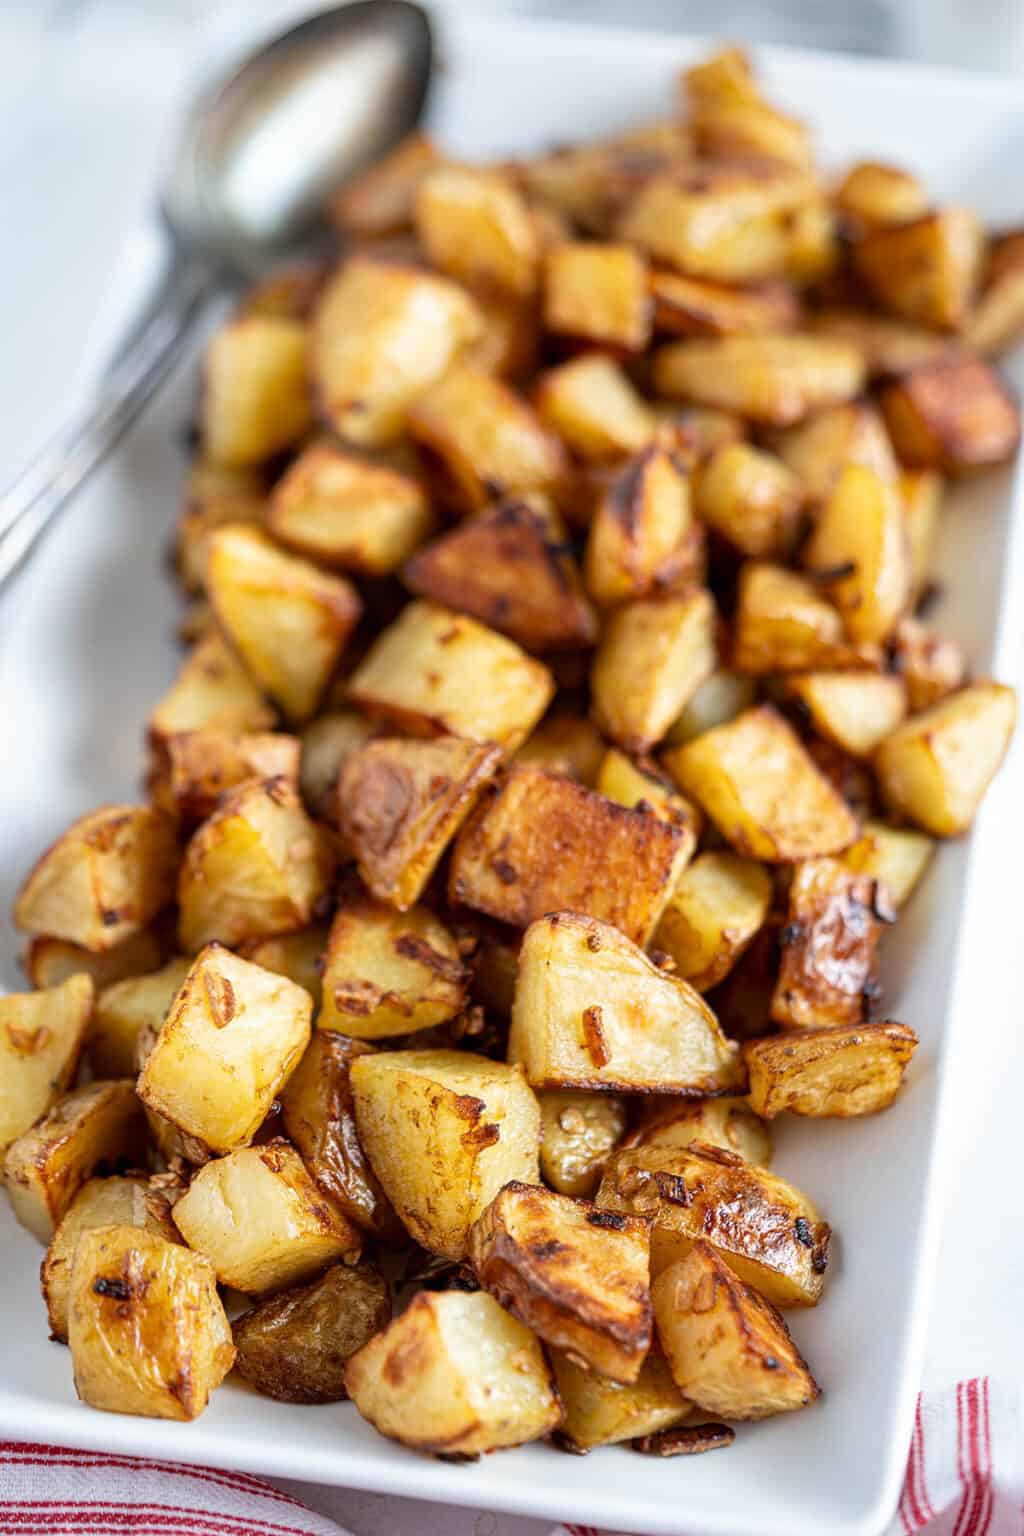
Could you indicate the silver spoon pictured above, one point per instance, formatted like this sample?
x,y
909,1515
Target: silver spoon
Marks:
x,y
259,155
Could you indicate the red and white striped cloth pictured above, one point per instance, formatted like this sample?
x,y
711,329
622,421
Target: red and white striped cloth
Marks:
x,y
963,1479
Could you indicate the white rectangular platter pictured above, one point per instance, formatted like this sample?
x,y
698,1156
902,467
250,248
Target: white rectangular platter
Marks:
x,y
86,647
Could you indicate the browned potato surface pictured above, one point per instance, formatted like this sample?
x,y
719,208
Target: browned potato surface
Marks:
x,y
837,1071
954,414
577,1132
42,1035
643,536
598,294
827,974
936,767
925,269
774,379
599,1411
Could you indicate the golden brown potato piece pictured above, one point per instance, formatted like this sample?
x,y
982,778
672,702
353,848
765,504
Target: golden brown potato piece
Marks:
x,y
124,1010
762,790
147,1330
716,908
569,744
381,335
345,511
254,869
894,856
213,496
643,786
829,946
380,201
726,129
294,1346
856,710
595,409
288,621
817,451
262,1222
751,498
576,1275
540,843
728,1348
192,769
480,440
729,1123
47,1165
388,972
509,344
925,269
774,379
921,491
954,414
213,690
766,1230
318,1117
476,226
455,1376
838,1072
998,317
783,624
578,1131
597,294
255,398
598,1411
295,955
587,186
889,347
871,194
48,961
643,535
858,552
288,293
42,1035
231,1039
592,1011
131,1202
654,655
509,569
326,743
936,767
717,701
814,251
435,671
930,665
444,1131
103,879
687,306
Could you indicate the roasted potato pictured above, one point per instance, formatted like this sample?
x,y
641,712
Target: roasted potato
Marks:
x,y
510,342
889,347
42,1035
687,306
232,1036
774,379
213,690
475,225
858,552
569,744
817,451
921,492
895,856
325,744
592,405
294,1346
454,1375
577,1132
299,956
47,961
872,194
716,908
576,1275
599,1411
783,624
47,1165
835,1072
751,498
122,1010
729,1123
856,710
255,397
213,496
598,294
924,269
653,656
931,665
643,535
147,1330
998,316
192,769
592,1011
729,1350
717,701
381,200
643,786
828,971
954,414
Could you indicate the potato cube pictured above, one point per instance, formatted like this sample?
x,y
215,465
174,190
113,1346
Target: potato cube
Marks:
x,y
829,946
774,379
717,701
571,1273
597,294
931,665
540,843
654,655
814,252
380,200
858,550
232,1037
444,1131
326,742
401,802
41,1039
454,1375
856,710
126,1008
871,194
509,344
294,1346
47,962
889,347
719,903
998,316
645,787
836,1072
288,620
318,1116
921,491
47,1165
569,744
925,269
299,956
598,1411
817,451
254,869
894,856
766,1230
388,972
783,624
643,532
381,335
954,414
255,398
480,440
192,769
104,878
262,1222
509,569
476,226
435,671
578,1131
592,405
729,1350
131,1201
213,690
751,498
729,1123
762,790
147,1330
936,767
592,1011
687,306
347,512
213,496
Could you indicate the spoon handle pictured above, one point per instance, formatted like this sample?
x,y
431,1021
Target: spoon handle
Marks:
x,y
138,367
